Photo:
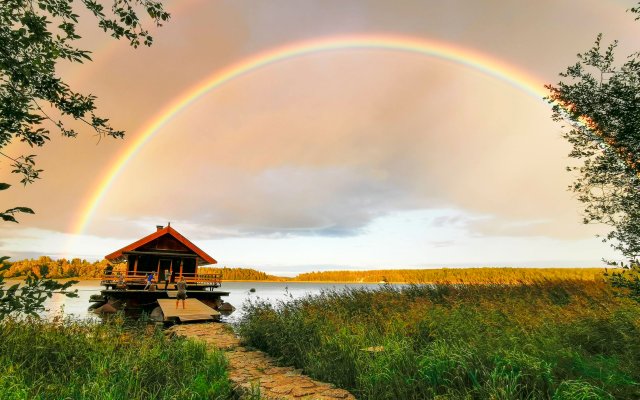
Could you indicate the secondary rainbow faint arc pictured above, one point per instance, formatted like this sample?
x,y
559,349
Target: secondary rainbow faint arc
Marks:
x,y
431,48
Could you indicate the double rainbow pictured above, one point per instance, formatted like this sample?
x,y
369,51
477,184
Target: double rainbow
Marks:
x,y
483,63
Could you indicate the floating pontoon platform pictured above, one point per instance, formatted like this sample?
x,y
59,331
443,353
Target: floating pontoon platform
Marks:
x,y
194,310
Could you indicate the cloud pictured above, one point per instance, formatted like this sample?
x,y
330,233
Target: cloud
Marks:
x,y
324,145
443,243
20,242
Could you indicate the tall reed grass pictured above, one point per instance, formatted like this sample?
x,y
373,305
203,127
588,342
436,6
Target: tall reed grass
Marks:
x,y
545,340
66,359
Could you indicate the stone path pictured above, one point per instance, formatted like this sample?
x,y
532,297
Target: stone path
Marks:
x,y
251,370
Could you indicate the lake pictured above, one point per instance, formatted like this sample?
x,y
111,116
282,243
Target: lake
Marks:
x,y
239,292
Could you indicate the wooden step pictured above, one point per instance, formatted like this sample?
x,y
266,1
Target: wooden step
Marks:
x,y
195,317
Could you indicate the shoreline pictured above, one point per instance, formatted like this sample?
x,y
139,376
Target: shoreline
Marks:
x,y
509,276
236,280
79,278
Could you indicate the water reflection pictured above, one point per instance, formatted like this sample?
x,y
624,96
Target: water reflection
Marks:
x,y
56,304
239,292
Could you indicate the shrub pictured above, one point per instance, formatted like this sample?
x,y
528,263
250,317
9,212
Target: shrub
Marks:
x,y
543,340
89,360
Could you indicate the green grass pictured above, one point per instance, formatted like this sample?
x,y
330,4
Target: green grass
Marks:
x,y
67,359
547,340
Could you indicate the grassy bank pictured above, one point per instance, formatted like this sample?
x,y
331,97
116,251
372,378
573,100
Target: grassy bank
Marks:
x,y
546,340
84,360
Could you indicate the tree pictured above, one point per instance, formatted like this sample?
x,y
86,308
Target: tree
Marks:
x,y
29,297
599,100
35,35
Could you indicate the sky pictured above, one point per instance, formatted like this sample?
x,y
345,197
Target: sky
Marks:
x,y
330,143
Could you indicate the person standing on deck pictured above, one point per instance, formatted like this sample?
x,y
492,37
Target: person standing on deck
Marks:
x,y
182,292
149,280
121,285
166,278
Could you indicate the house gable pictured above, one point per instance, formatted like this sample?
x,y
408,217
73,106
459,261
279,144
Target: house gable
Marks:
x,y
164,239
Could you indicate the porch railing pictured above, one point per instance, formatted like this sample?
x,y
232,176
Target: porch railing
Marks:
x,y
141,277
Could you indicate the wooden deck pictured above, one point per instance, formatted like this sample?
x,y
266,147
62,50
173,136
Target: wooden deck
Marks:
x,y
194,310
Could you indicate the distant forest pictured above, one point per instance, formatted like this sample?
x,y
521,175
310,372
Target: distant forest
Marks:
x,y
240,274
77,268
456,275
61,268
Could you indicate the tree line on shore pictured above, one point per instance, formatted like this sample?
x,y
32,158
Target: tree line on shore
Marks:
x,y
240,274
61,268
456,275
79,268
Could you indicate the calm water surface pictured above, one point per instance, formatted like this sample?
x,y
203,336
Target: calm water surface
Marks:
x,y
239,292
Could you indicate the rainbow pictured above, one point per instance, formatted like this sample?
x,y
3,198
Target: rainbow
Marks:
x,y
483,63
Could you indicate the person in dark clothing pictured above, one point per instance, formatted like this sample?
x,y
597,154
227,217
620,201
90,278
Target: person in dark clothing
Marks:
x,y
167,277
182,292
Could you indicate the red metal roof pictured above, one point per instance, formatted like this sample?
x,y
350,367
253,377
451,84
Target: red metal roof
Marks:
x,y
203,257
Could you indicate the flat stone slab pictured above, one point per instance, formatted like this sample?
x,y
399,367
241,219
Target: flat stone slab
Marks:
x,y
250,370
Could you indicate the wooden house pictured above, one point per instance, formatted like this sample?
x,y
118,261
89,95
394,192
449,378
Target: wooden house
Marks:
x,y
168,255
